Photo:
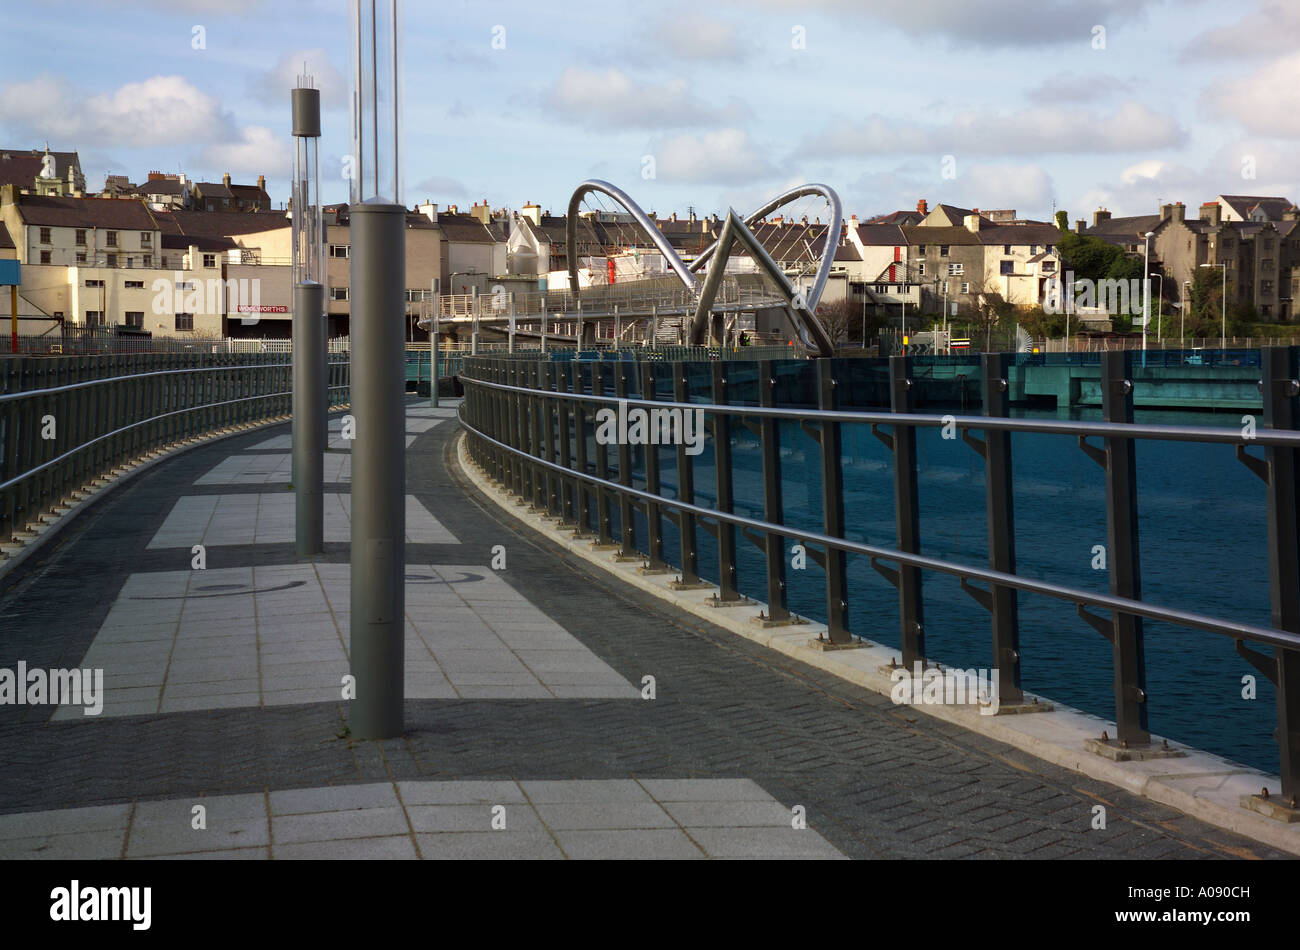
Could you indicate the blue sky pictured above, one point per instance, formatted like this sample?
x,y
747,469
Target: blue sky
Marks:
x,y
1035,104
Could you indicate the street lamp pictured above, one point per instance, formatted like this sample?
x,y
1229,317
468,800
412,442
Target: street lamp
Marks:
x,y
1146,291
1182,322
1223,338
378,267
1160,308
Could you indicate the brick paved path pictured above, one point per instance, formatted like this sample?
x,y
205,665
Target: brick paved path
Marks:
x,y
875,780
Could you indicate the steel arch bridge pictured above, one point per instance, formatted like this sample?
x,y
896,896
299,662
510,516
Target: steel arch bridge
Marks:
x,y
692,294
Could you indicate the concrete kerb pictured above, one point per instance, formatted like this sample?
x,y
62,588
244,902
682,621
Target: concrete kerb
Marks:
x,y
1200,784
104,485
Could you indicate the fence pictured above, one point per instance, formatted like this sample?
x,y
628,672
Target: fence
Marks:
x,y
530,425
66,422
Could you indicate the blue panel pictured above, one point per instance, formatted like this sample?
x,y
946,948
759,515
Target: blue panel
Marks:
x,y
9,273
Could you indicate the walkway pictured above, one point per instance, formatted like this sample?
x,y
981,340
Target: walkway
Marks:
x,y
528,734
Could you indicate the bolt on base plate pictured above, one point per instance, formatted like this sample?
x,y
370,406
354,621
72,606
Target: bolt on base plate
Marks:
x,y
1114,750
1276,808
817,643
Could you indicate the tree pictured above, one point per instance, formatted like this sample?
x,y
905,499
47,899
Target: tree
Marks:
x,y
843,321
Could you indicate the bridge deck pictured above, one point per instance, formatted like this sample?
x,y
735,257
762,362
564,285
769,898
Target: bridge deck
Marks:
x,y
524,691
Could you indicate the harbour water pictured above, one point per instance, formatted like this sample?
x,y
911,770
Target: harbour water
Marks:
x,y
1202,547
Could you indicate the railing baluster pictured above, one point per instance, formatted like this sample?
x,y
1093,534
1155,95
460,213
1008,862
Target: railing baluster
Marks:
x,y
653,511
773,504
627,520
728,569
1000,510
834,560
907,513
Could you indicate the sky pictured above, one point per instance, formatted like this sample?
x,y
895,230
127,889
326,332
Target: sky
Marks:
x,y
1037,105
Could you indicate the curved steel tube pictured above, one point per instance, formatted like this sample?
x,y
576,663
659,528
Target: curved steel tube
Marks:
x,y
641,218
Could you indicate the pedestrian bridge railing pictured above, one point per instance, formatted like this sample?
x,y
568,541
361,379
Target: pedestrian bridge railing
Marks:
x,y
530,425
67,421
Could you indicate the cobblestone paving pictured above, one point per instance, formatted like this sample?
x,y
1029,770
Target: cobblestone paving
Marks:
x,y
874,780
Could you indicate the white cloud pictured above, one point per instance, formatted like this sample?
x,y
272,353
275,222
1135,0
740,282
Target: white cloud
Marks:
x,y
727,155
276,82
1273,29
1038,130
1266,101
689,35
613,99
964,23
163,110
258,152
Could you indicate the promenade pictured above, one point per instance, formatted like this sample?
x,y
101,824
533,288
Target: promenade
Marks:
x,y
223,730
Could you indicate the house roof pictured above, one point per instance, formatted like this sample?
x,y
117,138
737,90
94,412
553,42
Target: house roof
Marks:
x,y
882,235
126,214
464,229
213,189
22,166
1273,207
897,218
930,234
1020,234
162,186
197,224
6,241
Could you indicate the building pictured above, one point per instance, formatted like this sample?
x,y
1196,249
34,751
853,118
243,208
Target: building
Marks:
x,y
43,172
223,196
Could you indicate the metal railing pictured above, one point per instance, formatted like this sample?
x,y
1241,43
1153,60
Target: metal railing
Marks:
x,y
67,421
530,426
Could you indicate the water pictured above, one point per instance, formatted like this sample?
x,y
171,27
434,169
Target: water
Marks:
x,y
1202,547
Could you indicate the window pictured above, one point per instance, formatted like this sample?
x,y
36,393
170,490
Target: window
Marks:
x,y
46,258
943,250
1008,267
135,318
1268,244
920,250
339,250
184,321
1266,288
92,282
148,261
81,237
1006,249
882,288
94,318
965,287
81,257
112,260
134,285
146,239
1049,267
945,286
1268,263
955,269
209,261
920,269
110,238
45,236
338,293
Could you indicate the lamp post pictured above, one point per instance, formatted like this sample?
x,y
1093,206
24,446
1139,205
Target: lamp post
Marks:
x,y
1146,291
310,384
1182,323
1223,338
378,268
1160,308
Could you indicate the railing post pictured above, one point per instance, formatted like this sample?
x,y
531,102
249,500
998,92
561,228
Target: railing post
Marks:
x,y
728,572
907,514
551,413
580,508
1122,551
653,511
626,515
773,505
834,561
604,532
1000,511
1281,381
539,482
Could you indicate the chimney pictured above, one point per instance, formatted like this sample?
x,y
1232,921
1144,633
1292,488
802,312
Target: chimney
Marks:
x,y
533,213
692,217
429,210
1212,213
1100,215
481,213
923,206
261,182
225,179
1166,211
972,222
1179,211
1080,226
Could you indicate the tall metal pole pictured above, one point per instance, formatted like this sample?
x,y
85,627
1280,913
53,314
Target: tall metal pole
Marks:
x,y
1146,292
310,388
378,270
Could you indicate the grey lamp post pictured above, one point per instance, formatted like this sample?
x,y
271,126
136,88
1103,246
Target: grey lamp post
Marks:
x,y
310,385
1223,338
378,269
1146,291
